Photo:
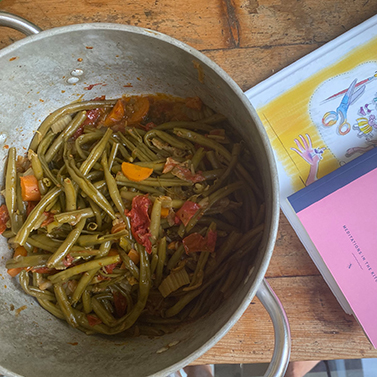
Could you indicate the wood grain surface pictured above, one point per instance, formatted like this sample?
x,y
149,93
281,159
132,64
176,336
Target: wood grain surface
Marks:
x,y
250,40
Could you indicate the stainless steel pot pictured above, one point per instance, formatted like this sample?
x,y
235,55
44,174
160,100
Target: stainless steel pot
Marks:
x,y
51,68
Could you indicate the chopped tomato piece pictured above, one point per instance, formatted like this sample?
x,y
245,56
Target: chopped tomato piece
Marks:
x,y
196,242
4,218
120,304
148,126
30,207
217,132
92,117
78,132
68,260
181,171
44,270
110,268
49,219
187,211
93,320
140,221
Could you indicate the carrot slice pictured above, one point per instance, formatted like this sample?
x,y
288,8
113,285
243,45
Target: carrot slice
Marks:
x,y
134,256
112,252
139,109
164,212
135,173
115,115
20,250
29,189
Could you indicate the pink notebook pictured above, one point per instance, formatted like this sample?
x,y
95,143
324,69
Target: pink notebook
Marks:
x,y
339,213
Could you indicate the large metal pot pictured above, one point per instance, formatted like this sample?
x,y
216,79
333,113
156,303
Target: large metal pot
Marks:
x,y
52,68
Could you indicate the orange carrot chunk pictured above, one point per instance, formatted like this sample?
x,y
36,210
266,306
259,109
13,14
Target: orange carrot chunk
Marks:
x,y
20,250
164,212
135,173
138,108
29,189
115,115
134,256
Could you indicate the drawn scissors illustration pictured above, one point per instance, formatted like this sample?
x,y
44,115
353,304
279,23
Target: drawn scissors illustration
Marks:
x,y
339,117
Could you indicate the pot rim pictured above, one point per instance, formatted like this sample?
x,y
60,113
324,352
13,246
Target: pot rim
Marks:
x,y
275,208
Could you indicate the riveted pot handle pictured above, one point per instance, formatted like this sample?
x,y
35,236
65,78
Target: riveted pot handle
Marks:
x,y
18,23
282,349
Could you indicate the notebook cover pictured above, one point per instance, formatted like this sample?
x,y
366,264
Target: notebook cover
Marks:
x,y
339,212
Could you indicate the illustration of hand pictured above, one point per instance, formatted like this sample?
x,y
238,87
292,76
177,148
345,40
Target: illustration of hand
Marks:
x,y
305,150
311,155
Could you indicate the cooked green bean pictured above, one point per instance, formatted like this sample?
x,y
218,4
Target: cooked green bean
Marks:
x,y
87,266
112,186
70,195
57,144
33,291
10,182
36,165
73,217
173,141
96,153
130,265
34,215
154,226
86,138
102,313
156,182
144,286
87,187
225,174
65,305
113,153
100,245
68,109
161,261
56,259
87,276
95,239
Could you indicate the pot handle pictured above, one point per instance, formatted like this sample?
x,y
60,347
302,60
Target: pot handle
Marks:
x,y
282,348
18,23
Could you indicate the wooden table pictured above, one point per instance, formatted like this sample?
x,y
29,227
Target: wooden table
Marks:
x,y
250,39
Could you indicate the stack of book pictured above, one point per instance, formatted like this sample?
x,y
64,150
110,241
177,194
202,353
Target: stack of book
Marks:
x,y
320,114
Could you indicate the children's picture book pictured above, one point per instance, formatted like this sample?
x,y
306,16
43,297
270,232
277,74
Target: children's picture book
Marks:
x,y
338,213
320,113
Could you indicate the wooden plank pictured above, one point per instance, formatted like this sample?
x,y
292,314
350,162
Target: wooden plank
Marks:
x,y
249,66
202,24
319,327
281,22
207,24
290,259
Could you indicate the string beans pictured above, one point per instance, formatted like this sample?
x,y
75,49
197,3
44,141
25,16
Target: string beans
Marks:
x,y
147,214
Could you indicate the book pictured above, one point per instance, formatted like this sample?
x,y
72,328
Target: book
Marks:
x,y
338,212
320,113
